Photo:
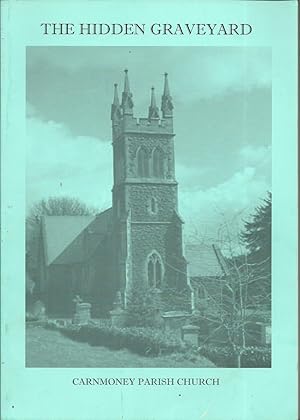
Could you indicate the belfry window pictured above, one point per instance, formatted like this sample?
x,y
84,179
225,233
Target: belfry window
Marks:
x,y
142,163
155,271
158,163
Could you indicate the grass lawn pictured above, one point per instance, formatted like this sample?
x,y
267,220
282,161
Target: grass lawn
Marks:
x,y
48,348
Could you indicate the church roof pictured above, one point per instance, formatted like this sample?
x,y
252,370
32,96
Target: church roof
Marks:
x,y
205,260
63,236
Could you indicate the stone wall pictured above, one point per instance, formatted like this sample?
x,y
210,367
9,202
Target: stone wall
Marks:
x,y
139,200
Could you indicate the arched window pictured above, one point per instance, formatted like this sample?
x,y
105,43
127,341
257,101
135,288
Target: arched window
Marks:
x,y
151,273
142,163
158,163
158,274
155,270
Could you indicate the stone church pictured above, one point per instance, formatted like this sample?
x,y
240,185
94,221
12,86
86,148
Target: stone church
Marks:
x,y
139,240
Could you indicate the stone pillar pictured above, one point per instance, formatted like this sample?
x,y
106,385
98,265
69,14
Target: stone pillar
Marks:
x,y
117,317
190,334
83,314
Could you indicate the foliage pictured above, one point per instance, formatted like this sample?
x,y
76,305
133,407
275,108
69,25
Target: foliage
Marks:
x,y
232,310
35,309
143,307
143,341
252,356
59,206
257,232
30,317
243,292
257,238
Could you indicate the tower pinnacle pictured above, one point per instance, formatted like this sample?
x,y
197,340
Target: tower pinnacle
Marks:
x,y
126,82
127,103
166,100
116,96
153,109
115,107
166,86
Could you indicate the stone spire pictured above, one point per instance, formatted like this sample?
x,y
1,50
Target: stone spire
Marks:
x,y
166,100
115,107
127,103
153,109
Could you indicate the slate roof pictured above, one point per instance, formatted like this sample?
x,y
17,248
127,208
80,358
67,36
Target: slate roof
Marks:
x,y
63,236
205,260
71,239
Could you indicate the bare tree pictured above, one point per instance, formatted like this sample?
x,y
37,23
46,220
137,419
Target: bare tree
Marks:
x,y
232,302
52,206
59,206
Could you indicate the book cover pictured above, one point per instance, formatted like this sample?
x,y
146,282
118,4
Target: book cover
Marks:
x,y
149,210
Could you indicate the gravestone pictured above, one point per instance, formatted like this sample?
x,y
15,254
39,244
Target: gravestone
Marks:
x,y
174,320
82,313
190,334
117,317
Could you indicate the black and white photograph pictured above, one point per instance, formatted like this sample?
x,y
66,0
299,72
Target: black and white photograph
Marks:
x,y
148,207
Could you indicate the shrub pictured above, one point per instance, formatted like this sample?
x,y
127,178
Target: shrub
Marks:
x,y
30,317
143,341
257,357
224,356
36,311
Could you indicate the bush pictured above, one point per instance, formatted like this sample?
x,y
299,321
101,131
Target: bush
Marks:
x,y
252,356
30,317
36,311
145,342
257,357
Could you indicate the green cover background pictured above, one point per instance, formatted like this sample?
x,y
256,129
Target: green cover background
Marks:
x,y
43,394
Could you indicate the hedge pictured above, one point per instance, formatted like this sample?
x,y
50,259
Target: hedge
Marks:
x,y
145,342
252,356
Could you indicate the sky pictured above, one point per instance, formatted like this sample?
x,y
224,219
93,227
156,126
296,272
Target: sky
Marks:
x,y
222,119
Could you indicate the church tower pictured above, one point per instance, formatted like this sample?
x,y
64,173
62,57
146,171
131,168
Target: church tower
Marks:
x,y
147,237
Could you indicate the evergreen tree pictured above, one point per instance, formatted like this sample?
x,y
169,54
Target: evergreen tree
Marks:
x,y
257,232
257,238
